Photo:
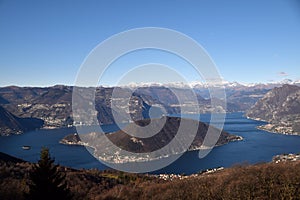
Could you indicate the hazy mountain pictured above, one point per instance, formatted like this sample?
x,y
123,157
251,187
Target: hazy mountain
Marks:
x,y
239,96
223,83
281,108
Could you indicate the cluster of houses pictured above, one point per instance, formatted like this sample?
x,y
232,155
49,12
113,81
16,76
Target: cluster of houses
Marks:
x,y
286,157
180,177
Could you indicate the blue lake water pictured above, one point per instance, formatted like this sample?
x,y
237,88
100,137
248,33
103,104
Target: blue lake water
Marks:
x,y
257,146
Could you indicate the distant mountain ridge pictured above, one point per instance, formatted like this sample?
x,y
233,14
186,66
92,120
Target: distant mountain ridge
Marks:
x,y
281,108
222,83
240,96
53,105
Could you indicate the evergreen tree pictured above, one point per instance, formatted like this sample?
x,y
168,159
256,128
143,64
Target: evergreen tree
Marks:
x,y
46,181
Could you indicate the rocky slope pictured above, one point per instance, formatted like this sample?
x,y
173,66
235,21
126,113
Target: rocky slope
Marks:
x,y
281,108
10,124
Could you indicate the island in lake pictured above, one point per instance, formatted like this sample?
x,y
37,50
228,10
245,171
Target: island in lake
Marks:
x,y
144,145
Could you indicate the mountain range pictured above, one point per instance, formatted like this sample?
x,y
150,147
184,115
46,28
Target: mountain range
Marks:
x,y
53,105
223,83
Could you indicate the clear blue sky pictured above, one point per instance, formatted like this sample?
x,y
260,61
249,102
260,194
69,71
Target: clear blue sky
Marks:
x,y
44,42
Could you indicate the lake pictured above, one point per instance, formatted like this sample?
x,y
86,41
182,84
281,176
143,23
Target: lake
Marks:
x,y
257,146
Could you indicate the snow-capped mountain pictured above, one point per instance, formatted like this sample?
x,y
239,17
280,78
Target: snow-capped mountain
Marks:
x,y
223,83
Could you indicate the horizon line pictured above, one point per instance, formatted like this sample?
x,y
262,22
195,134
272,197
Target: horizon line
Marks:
x,y
145,84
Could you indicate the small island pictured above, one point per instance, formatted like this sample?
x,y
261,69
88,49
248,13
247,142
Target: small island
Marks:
x,y
71,139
